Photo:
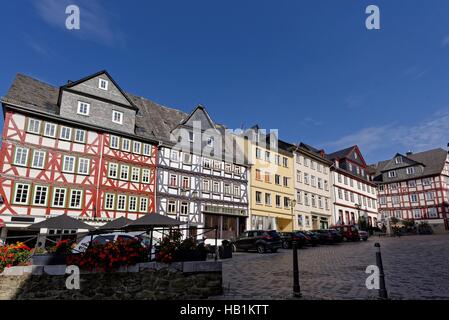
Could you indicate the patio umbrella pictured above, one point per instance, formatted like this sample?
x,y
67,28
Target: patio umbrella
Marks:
x,y
116,224
62,221
151,221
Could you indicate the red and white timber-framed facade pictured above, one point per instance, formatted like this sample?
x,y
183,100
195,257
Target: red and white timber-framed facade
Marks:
x,y
354,193
415,186
73,150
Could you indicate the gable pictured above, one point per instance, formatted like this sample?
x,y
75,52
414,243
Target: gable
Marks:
x,y
356,156
199,115
404,162
90,86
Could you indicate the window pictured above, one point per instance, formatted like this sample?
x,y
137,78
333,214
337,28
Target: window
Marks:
x,y
267,177
206,163
285,162
340,194
145,176
121,203
258,175
430,196
184,208
68,164
258,154
227,189
268,199
22,193
320,202
103,84
398,159
114,142
410,170
210,142
191,136
286,181
34,126
391,174
83,166
109,201
21,158
171,207
228,167
277,179
426,182
83,108
238,170
80,136
286,202
59,197
38,159
65,133
313,201
206,185
433,213
398,214
112,172
298,197
267,156
146,149
217,165
50,130
298,176
396,200
117,117
278,201
414,197
132,203
40,195
185,182
135,174
137,147
277,160
143,204
306,178
306,162
313,181
173,180
326,185
236,191
76,197
174,155
126,145
346,195
216,187
411,183
258,197
187,158
417,213
306,199
124,172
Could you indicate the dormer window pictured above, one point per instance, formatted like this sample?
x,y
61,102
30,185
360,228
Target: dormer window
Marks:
x,y
410,170
391,174
355,155
103,84
398,160
83,108
117,117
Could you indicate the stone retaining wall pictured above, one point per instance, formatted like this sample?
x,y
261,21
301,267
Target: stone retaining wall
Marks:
x,y
145,281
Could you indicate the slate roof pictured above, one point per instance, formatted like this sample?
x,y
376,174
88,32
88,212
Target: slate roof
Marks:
x,y
340,154
432,160
153,121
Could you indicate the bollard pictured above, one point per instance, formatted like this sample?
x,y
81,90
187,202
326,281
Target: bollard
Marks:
x,y
296,287
382,288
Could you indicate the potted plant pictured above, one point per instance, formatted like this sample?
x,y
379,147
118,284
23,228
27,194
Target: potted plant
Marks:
x,y
14,255
55,255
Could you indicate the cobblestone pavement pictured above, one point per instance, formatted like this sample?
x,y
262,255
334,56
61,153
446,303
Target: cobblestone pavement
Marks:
x,y
416,267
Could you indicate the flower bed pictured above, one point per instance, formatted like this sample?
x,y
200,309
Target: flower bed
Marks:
x,y
14,255
172,249
110,256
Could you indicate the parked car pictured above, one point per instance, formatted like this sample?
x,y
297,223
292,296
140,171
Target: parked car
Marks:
x,y
260,240
363,235
348,232
287,239
314,238
327,236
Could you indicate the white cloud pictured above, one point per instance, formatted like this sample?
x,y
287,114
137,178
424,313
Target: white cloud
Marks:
x,y
95,25
429,134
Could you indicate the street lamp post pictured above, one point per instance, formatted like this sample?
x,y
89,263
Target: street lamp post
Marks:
x,y
292,206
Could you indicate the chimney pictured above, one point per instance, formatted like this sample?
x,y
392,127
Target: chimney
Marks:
x,y
69,81
409,153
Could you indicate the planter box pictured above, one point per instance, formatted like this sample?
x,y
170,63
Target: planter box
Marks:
x,y
48,259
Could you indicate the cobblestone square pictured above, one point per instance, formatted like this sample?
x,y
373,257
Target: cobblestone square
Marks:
x,y
416,267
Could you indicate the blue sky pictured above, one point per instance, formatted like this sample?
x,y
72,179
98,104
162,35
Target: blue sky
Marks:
x,y
308,68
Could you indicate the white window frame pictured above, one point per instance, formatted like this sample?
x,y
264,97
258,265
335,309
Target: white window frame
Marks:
x,y
146,149
55,190
145,176
111,164
132,200
124,202
54,129
123,169
22,187
34,121
105,82
184,205
137,145
76,136
76,192
128,143
121,115
107,197
41,191
83,108
69,130
64,169
25,151
171,204
115,145
143,204
80,160
133,170
33,164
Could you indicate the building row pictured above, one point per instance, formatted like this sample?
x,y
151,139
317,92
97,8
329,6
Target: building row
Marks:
x,y
92,151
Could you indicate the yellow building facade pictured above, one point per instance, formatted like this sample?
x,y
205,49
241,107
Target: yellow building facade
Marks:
x,y
272,187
